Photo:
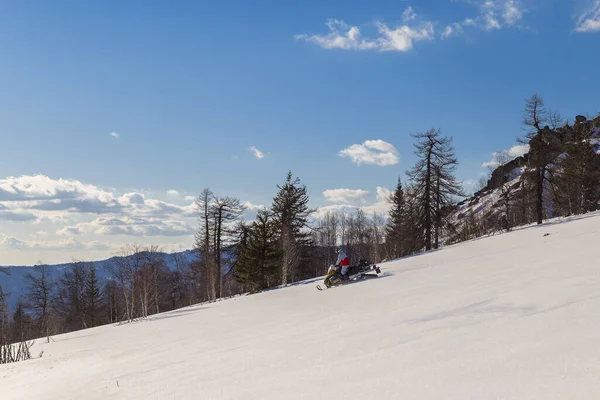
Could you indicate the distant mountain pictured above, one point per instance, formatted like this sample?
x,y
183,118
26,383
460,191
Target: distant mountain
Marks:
x,y
14,283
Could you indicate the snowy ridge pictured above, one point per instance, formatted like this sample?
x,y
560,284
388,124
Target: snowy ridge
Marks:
x,y
485,203
513,316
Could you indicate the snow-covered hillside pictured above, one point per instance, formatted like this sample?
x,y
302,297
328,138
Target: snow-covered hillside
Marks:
x,y
514,316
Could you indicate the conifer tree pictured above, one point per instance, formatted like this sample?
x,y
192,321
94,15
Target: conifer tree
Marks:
x,y
395,228
433,175
93,298
544,146
258,257
578,173
290,213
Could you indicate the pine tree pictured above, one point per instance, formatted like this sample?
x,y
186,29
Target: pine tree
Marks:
x,y
394,230
71,296
290,213
93,298
21,328
258,258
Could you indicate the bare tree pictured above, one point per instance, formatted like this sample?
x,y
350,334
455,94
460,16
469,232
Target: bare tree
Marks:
x,y
9,351
543,142
226,211
41,296
126,269
377,236
204,268
434,179
507,189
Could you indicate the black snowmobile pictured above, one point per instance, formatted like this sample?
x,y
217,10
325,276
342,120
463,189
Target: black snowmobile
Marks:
x,y
360,271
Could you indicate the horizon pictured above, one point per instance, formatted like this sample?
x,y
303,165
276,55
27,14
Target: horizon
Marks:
x,y
115,116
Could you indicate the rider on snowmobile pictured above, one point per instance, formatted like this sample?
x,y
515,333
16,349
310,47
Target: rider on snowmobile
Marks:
x,y
343,261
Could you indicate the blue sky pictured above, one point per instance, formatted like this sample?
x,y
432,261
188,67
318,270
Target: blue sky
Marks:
x,y
188,87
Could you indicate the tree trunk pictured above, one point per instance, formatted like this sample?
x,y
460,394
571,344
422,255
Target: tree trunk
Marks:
x,y
428,203
540,194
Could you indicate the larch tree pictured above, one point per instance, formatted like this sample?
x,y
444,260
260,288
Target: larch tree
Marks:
x,y
204,267
577,174
226,211
435,184
544,145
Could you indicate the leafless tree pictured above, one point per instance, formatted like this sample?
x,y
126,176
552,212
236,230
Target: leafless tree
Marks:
x,y
507,189
126,269
41,296
433,175
226,212
543,142
204,268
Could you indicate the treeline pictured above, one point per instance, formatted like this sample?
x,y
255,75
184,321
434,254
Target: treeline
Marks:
x,y
141,284
287,242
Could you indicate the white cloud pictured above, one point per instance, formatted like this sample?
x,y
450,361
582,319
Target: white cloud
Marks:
x,y
452,29
402,38
510,154
493,15
345,196
252,207
7,215
54,199
129,226
589,20
513,12
256,152
375,152
469,183
114,134
381,206
189,198
11,243
173,193
408,14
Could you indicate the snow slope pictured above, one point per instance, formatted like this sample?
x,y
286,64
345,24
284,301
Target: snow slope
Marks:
x,y
513,316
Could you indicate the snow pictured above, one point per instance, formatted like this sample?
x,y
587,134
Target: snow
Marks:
x,y
513,316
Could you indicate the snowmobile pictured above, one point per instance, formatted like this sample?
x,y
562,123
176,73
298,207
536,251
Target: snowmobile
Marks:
x,y
360,271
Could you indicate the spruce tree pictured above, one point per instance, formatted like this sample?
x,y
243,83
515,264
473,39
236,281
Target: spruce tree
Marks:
x,y
394,230
290,213
93,298
257,264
